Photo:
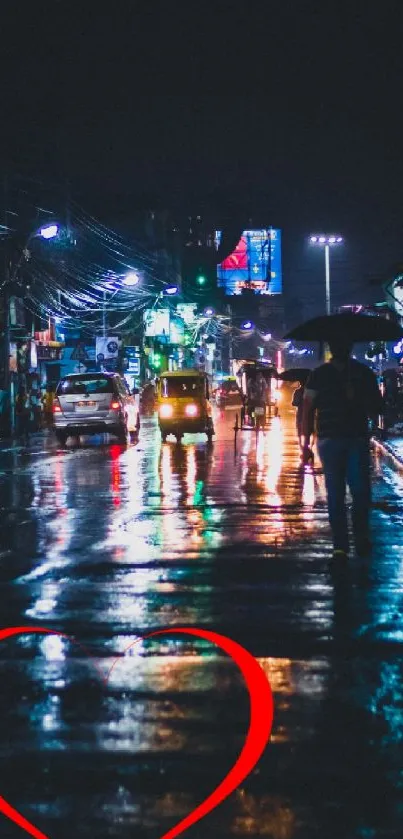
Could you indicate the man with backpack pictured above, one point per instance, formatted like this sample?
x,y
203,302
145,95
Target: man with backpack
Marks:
x,y
344,395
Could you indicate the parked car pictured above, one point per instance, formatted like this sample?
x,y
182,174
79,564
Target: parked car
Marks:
x,y
228,394
90,403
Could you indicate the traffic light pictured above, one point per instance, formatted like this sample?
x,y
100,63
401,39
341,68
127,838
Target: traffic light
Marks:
x,y
201,280
155,360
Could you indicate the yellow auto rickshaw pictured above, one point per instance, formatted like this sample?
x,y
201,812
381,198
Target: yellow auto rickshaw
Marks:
x,y
184,404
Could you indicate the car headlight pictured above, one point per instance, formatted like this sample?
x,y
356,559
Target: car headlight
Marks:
x,y
191,410
166,411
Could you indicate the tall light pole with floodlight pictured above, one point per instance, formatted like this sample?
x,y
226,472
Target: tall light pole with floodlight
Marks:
x,y
327,242
129,280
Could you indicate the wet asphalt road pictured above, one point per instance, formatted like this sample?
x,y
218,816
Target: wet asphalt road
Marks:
x,y
106,544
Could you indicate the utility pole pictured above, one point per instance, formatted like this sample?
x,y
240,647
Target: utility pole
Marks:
x,y
67,208
104,315
229,310
8,414
8,408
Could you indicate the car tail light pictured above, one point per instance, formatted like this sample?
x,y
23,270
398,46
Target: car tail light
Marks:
x,y
114,405
166,411
191,410
56,407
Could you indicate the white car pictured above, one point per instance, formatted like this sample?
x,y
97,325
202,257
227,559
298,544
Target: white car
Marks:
x,y
90,403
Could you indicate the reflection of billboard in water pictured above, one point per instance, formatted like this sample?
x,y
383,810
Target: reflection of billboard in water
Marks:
x,y
255,263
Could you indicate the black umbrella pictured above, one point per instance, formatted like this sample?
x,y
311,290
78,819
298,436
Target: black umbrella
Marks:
x,y
296,374
356,328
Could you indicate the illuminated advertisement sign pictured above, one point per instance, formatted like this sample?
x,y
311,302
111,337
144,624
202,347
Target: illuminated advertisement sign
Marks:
x,y
105,349
177,331
132,355
33,362
156,323
13,358
255,263
188,313
395,292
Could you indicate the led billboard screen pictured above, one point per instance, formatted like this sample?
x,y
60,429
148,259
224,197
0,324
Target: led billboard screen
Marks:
x,y
157,323
255,263
176,330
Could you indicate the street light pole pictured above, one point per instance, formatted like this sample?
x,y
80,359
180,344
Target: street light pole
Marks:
x,y
327,268
327,242
230,347
132,278
6,361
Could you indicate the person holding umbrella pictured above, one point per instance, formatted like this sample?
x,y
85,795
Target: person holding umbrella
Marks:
x,y
299,375
298,403
344,395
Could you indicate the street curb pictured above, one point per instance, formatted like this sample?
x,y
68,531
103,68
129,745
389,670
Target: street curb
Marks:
x,y
389,453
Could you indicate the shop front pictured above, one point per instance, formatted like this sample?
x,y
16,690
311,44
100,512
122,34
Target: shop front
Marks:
x,y
49,360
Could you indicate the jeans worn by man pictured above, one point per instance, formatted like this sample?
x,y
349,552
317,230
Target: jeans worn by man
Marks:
x,y
343,395
346,462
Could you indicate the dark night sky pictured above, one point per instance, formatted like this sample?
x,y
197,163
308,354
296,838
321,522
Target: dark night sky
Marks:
x,y
290,111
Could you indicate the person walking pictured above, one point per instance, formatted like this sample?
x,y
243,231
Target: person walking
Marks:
x,y
307,455
261,394
36,408
252,399
343,394
298,402
23,410
47,405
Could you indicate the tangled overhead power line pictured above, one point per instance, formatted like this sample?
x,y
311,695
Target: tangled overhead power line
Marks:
x,y
76,280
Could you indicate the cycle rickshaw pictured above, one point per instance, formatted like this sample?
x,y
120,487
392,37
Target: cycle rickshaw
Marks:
x,y
257,382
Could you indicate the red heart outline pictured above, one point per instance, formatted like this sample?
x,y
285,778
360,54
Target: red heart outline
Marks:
x,y
260,725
